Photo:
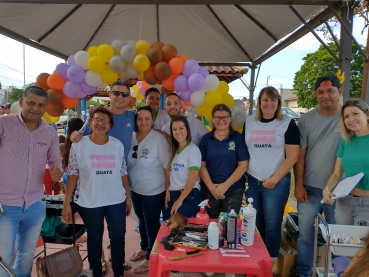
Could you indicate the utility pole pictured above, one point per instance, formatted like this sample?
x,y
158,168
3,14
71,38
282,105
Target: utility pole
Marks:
x,y
268,80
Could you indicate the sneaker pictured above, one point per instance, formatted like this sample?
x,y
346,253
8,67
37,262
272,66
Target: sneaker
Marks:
x,y
175,274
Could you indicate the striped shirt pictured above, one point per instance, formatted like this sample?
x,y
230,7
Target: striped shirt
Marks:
x,y
23,156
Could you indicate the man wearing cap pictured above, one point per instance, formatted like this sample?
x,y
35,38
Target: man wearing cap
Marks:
x,y
7,108
319,140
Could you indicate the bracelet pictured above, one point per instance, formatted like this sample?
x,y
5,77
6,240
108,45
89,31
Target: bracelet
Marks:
x,y
327,189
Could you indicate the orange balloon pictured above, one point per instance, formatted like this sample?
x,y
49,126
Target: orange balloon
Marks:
x,y
184,58
56,81
155,55
168,83
69,103
157,44
41,80
55,96
185,104
176,66
55,109
149,76
162,70
169,52
144,84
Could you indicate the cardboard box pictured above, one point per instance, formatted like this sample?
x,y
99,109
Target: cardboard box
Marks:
x,y
283,266
291,239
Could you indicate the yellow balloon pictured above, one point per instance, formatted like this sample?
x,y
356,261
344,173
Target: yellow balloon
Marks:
x,y
142,47
223,88
105,52
238,130
108,76
141,76
50,119
227,100
202,109
92,50
139,96
213,98
208,117
135,88
95,64
141,62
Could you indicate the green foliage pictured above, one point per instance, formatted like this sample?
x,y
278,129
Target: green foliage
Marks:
x,y
322,63
92,102
140,104
0,86
14,94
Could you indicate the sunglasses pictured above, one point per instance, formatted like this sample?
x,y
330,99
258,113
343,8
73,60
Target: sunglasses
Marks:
x,y
117,93
135,148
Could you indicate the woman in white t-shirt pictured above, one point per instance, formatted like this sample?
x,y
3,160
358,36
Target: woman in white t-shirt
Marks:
x,y
148,180
98,168
152,98
183,194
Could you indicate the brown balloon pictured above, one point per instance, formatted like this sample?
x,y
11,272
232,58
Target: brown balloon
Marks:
x,y
41,80
55,109
55,96
169,52
149,76
157,44
162,70
155,55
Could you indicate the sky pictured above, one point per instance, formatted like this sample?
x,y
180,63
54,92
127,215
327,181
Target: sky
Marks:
x,y
278,71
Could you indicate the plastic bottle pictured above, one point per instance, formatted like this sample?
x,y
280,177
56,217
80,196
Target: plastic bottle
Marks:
x,y
232,230
248,224
213,236
202,217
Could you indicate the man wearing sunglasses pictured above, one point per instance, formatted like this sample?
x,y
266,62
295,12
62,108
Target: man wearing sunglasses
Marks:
x,y
7,108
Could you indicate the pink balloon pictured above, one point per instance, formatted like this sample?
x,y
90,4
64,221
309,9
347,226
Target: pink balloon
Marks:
x,y
86,89
70,60
196,82
180,83
71,89
185,95
203,71
61,69
76,73
190,67
139,83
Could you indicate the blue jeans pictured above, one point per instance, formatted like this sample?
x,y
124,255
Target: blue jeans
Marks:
x,y
269,205
189,207
20,225
148,209
93,218
306,217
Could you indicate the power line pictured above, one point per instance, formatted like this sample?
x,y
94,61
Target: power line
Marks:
x,y
18,71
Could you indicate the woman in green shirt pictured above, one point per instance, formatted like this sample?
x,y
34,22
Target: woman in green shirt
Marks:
x,y
352,158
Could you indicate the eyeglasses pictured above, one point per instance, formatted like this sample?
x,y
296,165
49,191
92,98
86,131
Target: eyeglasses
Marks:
x,y
99,120
135,148
117,93
218,118
6,108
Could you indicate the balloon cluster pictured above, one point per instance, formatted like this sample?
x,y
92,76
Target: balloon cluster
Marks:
x,y
138,90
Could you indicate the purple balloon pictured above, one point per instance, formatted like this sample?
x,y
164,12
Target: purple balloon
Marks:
x,y
86,89
196,82
81,95
203,71
180,83
139,83
70,60
142,90
76,74
61,69
190,67
71,89
185,95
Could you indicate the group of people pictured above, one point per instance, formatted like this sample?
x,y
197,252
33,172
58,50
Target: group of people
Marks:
x,y
163,163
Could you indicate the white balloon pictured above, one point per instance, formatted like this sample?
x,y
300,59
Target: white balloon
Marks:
x,y
15,108
92,79
233,113
133,93
81,58
117,45
123,76
131,72
211,83
103,85
128,52
117,64
197,98
131,42
239,120
238,105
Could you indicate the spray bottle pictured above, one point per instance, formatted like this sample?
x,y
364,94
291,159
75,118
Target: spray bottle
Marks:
x,y
232,229
248,224
202,217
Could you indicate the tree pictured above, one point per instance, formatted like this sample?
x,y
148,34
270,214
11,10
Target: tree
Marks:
x,y
322,63
14,94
